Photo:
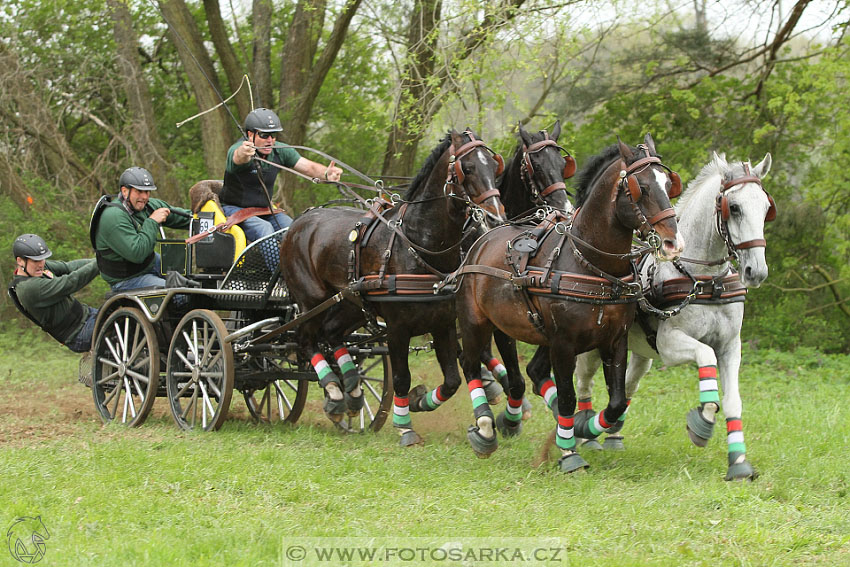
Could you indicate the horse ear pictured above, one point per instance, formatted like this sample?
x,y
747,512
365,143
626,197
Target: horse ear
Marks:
x,y
650,143
457,139
556,130
526,137
764,166
625,151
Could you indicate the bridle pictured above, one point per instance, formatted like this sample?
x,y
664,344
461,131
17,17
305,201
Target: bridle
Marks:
x,y
455,173
627,181
722,212
527,168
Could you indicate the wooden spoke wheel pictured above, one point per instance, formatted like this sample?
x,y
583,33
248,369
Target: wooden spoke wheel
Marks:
x,y
373,362
281,400
199,374
125,368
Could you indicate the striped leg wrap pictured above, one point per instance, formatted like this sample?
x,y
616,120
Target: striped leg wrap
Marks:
x,y
350,377
323,370
628,405
401,412
598,424
513,411
735,439
497,369
434,398
549,393
708,385
564,438
479,399
585,404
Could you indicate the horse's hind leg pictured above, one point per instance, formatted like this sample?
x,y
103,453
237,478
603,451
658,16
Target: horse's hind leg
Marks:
x,y
497,382
509,423
344,394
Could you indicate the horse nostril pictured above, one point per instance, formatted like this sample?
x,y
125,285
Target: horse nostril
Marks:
x,y
748,272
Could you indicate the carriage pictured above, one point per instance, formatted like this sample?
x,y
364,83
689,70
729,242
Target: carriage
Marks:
x,y
237,330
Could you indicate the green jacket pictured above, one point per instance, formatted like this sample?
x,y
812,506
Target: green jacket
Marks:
x,y
119,238
48,299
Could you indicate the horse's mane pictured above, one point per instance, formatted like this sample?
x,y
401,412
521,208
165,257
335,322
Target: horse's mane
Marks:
x,y
429,164
591,170
714,167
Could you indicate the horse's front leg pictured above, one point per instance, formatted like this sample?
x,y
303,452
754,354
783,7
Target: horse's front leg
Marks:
x,y
678,347
589,424
729,364
509,423
563,358
398,341
481,435
445,347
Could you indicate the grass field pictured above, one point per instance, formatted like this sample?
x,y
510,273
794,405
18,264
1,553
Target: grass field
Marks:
x,y
246,494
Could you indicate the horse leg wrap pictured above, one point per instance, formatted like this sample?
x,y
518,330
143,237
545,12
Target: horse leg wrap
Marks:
x,y
618,425
739,467
588,425
423,400
549,393
483,445
499,372
509,423
351,381
334,405
401,412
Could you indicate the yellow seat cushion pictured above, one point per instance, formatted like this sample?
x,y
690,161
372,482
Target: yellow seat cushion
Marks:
x,y
235,230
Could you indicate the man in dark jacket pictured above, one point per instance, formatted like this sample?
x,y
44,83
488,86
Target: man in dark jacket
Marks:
x,y
42,290
125,232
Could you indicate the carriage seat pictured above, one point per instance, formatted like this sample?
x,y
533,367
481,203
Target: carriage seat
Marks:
x,y
219,251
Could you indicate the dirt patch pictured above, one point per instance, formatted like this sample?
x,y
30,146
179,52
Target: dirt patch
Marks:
x,y
33,412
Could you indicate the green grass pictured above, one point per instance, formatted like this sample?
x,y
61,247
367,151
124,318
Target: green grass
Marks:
x,y
156,496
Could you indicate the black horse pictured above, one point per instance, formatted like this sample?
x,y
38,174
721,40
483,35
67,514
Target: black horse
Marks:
x,y
394,256
531,188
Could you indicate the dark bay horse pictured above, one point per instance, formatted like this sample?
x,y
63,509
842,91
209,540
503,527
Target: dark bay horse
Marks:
x,y
574,295
531,188
325,250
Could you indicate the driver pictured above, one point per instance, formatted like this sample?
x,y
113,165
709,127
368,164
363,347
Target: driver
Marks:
x,y
42,290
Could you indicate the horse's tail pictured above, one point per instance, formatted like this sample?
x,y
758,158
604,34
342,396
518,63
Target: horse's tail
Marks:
x,y
543,455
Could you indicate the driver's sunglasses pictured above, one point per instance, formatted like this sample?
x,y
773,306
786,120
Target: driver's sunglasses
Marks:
x,y
264,135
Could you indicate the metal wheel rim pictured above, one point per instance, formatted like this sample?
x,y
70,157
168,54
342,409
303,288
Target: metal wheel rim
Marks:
x,y
125,368
199,378
280,401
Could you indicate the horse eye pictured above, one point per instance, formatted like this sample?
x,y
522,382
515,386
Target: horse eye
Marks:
x,y
735,209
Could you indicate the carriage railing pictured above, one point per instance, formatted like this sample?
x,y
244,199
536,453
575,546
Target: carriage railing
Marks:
x,y
256,269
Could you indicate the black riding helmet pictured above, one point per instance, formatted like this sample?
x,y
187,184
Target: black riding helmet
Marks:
x,y
262,120
137,177
31,246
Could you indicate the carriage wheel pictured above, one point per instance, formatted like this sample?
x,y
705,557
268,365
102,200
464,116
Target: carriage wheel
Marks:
x,y
281,400
125,369
377,384
199,376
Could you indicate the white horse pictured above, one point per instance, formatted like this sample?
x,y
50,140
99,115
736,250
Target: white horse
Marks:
x,y
707,330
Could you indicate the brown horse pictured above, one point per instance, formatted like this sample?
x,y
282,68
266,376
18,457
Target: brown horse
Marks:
x,y
574,294
328,249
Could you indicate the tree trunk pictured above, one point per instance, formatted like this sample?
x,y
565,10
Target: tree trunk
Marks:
x,y
227,55
146,150
418,103
262,67
301,76
217,129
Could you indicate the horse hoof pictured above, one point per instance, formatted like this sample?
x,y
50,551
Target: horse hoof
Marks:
x,y
493,390
589,444
699,428
508,428
741,471
354,404
526,409
572,462
614,443
410,438
415,397
334,409
482,446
